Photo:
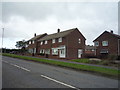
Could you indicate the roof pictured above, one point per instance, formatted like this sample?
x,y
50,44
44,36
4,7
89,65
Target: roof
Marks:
x,y
58,35
115,35
36,37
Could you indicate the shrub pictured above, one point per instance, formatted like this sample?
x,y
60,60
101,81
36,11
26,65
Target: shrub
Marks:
x,y
112,57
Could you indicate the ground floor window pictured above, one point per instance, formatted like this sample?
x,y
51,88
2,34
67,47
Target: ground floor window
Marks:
x,y
54,51
30,50
47,51
42,51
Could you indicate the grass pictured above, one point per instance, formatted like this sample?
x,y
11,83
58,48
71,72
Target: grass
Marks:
x,y
81,60
100,70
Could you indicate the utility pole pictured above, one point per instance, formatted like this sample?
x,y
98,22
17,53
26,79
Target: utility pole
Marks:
x,y
2,37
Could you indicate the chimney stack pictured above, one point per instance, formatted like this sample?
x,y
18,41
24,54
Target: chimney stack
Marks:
x,y
58,30
111,31
35,35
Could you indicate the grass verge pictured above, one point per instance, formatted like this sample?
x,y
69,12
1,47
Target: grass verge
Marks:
x,y
100,70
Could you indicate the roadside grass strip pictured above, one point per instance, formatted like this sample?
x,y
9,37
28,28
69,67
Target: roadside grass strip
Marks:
x,y
96,69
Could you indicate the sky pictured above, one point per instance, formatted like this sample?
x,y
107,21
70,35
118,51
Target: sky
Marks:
x,y
22,19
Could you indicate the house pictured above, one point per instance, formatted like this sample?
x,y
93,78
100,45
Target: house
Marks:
x,y
107,44
69,44
32,43
89,51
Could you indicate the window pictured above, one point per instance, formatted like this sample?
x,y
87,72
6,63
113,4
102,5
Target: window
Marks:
x,y
104,43
60,40
79,40
46,42
34,50
47,51
53,40
29,42
33,42
42,51
30,50
96,43
41,43
54,51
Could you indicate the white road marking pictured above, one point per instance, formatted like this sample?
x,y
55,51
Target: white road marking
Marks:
x,y
59,82
4,61
18,66
25,69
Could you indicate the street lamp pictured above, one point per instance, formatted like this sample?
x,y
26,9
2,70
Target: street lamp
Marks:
x,y
2,38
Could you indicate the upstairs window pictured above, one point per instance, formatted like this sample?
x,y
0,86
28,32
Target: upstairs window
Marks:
x,y
53,40
46,42
79,40
29,42
33,42
96,43
41,43
60,39
104,43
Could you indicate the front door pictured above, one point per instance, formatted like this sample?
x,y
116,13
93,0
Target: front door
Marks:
x,y
79,53
62,53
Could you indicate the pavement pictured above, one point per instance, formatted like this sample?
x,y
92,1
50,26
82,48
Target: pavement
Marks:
x,y
19,73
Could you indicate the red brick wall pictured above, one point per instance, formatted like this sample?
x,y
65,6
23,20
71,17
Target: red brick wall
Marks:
x,y
73,45
112,44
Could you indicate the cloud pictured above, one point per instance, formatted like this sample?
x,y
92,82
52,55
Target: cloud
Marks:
x,y
22,20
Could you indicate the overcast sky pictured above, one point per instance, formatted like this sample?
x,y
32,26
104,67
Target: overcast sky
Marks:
x,y
22,19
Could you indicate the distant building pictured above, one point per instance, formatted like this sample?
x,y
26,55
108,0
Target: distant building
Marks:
x,y
69,44
32,43
89,51
106,44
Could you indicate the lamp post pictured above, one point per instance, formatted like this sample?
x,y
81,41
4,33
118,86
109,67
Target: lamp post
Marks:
x,y
2,37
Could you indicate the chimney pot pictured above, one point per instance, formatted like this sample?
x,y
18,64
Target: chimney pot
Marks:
x,y
35,35
58,30
111,31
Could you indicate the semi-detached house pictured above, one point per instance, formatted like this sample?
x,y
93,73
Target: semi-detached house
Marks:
x,y
107,44
32,43
68,44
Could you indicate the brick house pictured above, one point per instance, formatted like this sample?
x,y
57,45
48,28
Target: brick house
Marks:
x,y
106,44
69,44
32,43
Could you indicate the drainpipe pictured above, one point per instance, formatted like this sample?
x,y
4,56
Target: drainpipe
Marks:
x,y
118,46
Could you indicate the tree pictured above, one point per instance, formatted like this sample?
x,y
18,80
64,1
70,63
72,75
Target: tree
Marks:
x,y
21,45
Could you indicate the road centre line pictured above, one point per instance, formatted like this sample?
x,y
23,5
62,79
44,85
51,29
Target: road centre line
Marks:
x,y
18,66
4,61
44,76
59,82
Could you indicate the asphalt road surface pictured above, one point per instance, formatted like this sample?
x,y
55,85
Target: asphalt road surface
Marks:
x,y
17,73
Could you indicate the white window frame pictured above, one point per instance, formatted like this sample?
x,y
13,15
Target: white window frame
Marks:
x,y
60,39
33,42
41,43
42,51
47,51
79,40
104,43
53,40
54,51
46,42
96,42
29,42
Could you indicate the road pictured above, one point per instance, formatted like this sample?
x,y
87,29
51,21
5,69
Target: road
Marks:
x,y
19,73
